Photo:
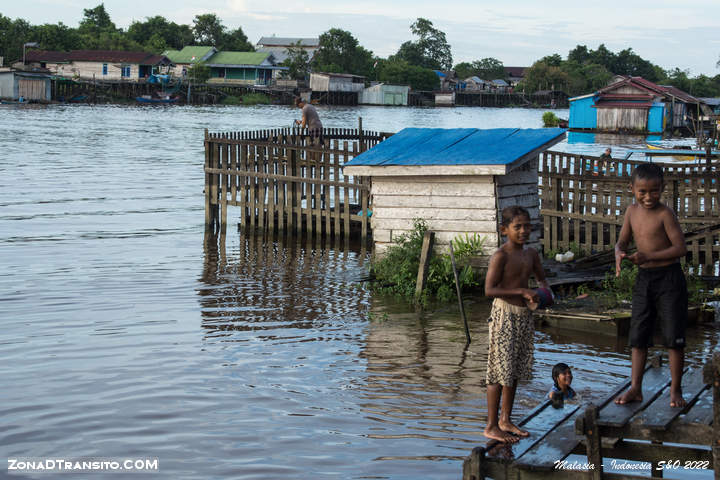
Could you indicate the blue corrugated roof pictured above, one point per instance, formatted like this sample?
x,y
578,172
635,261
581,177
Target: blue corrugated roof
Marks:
x,y
457,146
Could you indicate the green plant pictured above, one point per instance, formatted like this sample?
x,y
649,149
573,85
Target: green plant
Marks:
x,y
396,272
255,99
550,119
620,288
231,100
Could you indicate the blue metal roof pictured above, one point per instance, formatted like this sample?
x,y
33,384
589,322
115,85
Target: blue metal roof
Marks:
x,y
457,146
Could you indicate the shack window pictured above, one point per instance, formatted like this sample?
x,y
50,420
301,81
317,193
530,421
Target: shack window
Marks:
x,y
126,71
104,68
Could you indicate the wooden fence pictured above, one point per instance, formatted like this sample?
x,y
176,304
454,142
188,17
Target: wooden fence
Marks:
x,y
285,181
583,201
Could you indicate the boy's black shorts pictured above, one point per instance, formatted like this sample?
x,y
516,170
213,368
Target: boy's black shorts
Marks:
x,y
660,293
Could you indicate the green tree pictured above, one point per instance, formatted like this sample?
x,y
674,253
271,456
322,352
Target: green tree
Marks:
x,y
297,61
57,37
464,70
340,52
431,50
157,31
400,72
13,34
236,41
208,30
95,21
541,76
198,73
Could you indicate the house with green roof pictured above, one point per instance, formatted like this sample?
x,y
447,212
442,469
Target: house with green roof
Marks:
x,y
188,56
242,68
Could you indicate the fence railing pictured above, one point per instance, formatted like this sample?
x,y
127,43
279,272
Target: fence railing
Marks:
x,y
583,200
285,180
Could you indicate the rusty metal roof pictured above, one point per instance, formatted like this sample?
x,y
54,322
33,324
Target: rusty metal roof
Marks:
x,y
115,56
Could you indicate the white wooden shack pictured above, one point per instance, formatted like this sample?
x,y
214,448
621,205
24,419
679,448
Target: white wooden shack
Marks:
x,y
384,94
444,99
30,85
336,82
457,180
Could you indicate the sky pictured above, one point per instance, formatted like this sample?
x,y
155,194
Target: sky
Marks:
x,y
665,32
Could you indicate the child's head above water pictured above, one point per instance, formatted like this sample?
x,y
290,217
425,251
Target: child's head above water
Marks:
x,y
562,376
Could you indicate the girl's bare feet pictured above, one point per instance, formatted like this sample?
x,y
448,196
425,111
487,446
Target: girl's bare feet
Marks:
x,y
496,433
632,395
512,428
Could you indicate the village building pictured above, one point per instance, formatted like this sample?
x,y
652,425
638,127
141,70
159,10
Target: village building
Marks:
x,y
101,65
336,88
188,56
448,80
384,94
634,104
457,180
242,68
30,84
515,75
500,85
278,46
476,83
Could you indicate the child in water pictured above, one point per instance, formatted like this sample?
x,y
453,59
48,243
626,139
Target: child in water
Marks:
x,y
561,389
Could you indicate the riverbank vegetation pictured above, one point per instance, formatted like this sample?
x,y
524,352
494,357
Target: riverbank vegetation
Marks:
x,y
396,272
584,70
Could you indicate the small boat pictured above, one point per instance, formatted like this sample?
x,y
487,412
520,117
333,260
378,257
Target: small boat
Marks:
x,y
150,99
681,158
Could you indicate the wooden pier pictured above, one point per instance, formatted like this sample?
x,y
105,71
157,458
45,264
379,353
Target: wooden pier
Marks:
x,y
661,438
582,202
285,181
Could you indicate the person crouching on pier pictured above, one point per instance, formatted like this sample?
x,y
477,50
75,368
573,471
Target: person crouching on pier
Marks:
x,y
511,327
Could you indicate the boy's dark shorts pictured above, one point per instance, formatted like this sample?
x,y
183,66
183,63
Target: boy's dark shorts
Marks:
x,y
660,294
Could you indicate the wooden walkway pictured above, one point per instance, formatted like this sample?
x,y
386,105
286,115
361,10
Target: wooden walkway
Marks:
x,y
609,434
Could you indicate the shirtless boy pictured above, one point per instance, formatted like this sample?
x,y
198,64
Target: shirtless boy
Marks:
x,y
510,355
660,291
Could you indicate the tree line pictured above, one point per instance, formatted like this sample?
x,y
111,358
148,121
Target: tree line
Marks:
x,y
582,71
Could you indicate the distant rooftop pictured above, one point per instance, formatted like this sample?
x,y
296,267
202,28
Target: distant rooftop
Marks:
x,y
238,58
117,56
189,54
288,41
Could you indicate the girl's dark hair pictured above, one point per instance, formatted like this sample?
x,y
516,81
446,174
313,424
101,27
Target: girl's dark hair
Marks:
x,y
508,213
557,370
648,171
298,101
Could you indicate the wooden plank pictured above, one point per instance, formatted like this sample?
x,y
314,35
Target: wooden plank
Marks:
x,y
557,444
702,411
336,197
326,188
243,180
425,254
261,198
538,426
660,414
233,166
315,174
282,185
252,163
208,181
614,415
224,178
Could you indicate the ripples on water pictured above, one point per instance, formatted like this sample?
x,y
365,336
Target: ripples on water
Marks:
x,y
125,334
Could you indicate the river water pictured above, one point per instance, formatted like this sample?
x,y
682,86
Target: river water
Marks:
x,y
124,335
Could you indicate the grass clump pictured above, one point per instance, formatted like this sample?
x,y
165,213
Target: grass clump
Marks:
x,y
255,99
396,272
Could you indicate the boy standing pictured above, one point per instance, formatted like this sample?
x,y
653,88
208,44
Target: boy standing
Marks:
x,y
510,355
660,290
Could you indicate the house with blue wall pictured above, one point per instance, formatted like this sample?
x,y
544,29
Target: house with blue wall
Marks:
x,y
633,104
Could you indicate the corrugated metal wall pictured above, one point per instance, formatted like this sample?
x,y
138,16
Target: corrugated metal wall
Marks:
x,y
582,113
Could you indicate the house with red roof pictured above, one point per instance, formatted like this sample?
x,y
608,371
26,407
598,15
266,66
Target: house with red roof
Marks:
x,y
634,104
110,65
